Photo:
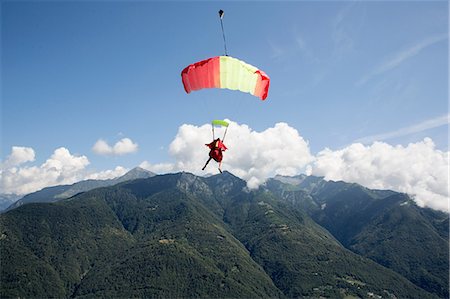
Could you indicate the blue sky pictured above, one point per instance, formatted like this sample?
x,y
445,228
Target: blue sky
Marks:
x,y
341,72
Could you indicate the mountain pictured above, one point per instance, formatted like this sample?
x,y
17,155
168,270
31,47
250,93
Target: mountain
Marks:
x,y
52,194
180,235
146,238
7,199
383,225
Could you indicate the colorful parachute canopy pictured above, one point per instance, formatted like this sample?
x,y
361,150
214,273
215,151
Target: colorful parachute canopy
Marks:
x,y
226,72
221,123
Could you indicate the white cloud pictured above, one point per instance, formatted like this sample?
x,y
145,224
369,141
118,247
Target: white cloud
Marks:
x,y
102,148
108,174
398,58
159,167
417,169
18,156
420,127
64,163
412,51
253,156
122,147
61,168
125,146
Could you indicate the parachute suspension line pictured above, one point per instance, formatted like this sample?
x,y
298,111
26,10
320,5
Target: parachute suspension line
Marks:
x,y
223,32
213,132
224,134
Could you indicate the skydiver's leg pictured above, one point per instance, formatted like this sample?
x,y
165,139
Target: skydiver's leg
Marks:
x,y
206,163
220,165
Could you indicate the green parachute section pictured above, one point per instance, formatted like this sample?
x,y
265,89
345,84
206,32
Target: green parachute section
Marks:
x,y
218,122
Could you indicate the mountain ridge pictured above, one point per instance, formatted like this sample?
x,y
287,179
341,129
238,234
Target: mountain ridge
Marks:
x,y
237,239
55,193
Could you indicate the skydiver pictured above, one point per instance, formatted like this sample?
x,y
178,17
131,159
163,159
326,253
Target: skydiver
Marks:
x,y
216,148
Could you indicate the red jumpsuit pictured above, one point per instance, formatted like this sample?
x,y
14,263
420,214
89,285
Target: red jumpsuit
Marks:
x,y
216,147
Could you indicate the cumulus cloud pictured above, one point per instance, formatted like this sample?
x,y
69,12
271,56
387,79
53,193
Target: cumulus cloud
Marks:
x,y
61,168
101,147
18,156
418,169
253,156
122,147
108,174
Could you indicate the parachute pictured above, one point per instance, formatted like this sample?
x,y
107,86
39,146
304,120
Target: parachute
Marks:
x,y
219,123
226,72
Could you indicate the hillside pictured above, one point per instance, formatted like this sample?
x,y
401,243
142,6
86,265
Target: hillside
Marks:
x,y
182,235
385,226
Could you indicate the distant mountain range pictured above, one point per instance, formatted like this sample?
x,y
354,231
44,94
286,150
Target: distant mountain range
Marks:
x,y
180,235
52,194
7,199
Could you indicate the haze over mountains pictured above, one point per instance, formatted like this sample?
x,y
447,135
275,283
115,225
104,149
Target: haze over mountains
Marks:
x,y
179,235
